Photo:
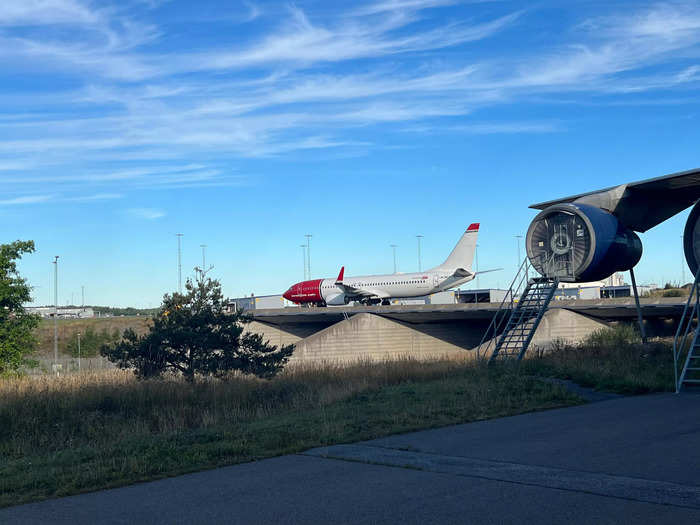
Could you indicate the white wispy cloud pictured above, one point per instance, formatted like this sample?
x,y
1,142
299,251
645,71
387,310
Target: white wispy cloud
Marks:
x,y
97,197
45,12
146,213
299,81
28,199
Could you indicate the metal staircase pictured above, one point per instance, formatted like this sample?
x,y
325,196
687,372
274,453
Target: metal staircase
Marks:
x,y
518,316
686,349
524,319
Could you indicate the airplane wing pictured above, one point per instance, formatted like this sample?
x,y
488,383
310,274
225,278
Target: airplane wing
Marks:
x,y
462,272
358,291
362,291
487,271
643,204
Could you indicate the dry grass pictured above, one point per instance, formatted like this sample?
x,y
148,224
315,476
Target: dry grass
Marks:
x,y
68,328
86,431
611,359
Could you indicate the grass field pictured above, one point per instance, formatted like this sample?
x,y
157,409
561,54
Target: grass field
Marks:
x,y
81,432
613,360
69,328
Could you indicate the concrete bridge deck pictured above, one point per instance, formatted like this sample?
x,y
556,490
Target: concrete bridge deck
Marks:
x,y
429,331
604,309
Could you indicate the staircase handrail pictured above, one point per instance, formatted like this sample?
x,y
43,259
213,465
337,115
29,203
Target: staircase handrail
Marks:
x,y
684,325
497,320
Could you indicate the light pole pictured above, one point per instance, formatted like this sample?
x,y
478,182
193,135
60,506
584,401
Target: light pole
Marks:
x,y
393,249
78,351
179,262
204,255
308,251
419,237
82,293
518,237
303,254
55,313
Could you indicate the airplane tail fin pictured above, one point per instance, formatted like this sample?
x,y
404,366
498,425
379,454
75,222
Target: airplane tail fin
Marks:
x,y
463,254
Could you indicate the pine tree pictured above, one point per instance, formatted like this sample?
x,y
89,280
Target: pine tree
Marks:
x,y
192,335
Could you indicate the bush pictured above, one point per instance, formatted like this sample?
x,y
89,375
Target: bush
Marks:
x,y
673,293
193,336
612,359
91,342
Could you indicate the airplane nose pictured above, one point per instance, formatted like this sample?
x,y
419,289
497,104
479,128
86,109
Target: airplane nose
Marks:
x,y
288,294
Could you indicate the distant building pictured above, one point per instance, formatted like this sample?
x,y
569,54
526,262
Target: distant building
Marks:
x,y
616,279
47,312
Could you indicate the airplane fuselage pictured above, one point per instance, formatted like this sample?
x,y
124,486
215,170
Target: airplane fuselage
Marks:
x,y
400,285
371,289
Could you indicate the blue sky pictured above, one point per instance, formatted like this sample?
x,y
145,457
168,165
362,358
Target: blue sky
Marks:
x,y
245,125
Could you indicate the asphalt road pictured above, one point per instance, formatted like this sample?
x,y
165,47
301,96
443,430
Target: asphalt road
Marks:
x,y
627,460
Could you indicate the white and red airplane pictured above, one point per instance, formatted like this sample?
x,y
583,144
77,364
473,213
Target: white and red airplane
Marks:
x,y
375,289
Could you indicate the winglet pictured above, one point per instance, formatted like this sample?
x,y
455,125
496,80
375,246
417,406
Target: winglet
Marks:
x,y
340,275
473,227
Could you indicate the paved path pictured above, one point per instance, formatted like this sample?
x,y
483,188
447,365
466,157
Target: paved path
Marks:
x,y
628,460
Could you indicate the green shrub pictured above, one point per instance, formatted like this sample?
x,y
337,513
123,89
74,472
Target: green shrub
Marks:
x,y
612,359
673,293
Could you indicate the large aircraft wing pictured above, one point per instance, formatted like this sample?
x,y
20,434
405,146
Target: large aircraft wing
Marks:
x,y
643,204
358,291
362,291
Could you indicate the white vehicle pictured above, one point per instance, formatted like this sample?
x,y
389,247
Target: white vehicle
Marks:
x,y
375,289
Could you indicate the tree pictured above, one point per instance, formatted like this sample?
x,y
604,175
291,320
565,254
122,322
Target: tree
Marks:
x,y
192,335
91,341
17,339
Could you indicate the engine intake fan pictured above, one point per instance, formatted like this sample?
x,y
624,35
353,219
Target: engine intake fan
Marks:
x,y
580,243
691,239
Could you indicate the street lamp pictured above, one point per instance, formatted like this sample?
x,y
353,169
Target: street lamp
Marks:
x,y
55,314
419,237
303,253
393,248
308,251
179,262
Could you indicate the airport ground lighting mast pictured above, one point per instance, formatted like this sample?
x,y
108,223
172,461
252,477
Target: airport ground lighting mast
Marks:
x,y
419,237
55,313
308,252
303,253
179,262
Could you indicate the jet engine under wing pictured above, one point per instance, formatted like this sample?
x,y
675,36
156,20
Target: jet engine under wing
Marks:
x,y
361,291
643,204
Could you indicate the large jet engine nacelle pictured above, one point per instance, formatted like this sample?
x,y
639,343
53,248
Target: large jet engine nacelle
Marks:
x,y
691,239
580,243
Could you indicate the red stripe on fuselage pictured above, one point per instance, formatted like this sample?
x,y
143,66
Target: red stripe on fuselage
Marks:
x,y
305,292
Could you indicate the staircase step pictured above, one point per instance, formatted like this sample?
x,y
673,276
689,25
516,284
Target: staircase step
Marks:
x,y
691,381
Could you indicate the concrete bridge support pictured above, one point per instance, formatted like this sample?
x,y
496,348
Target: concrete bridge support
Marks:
x,y
366,336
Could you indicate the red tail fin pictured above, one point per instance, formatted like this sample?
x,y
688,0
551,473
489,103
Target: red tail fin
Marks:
x,y
340,275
